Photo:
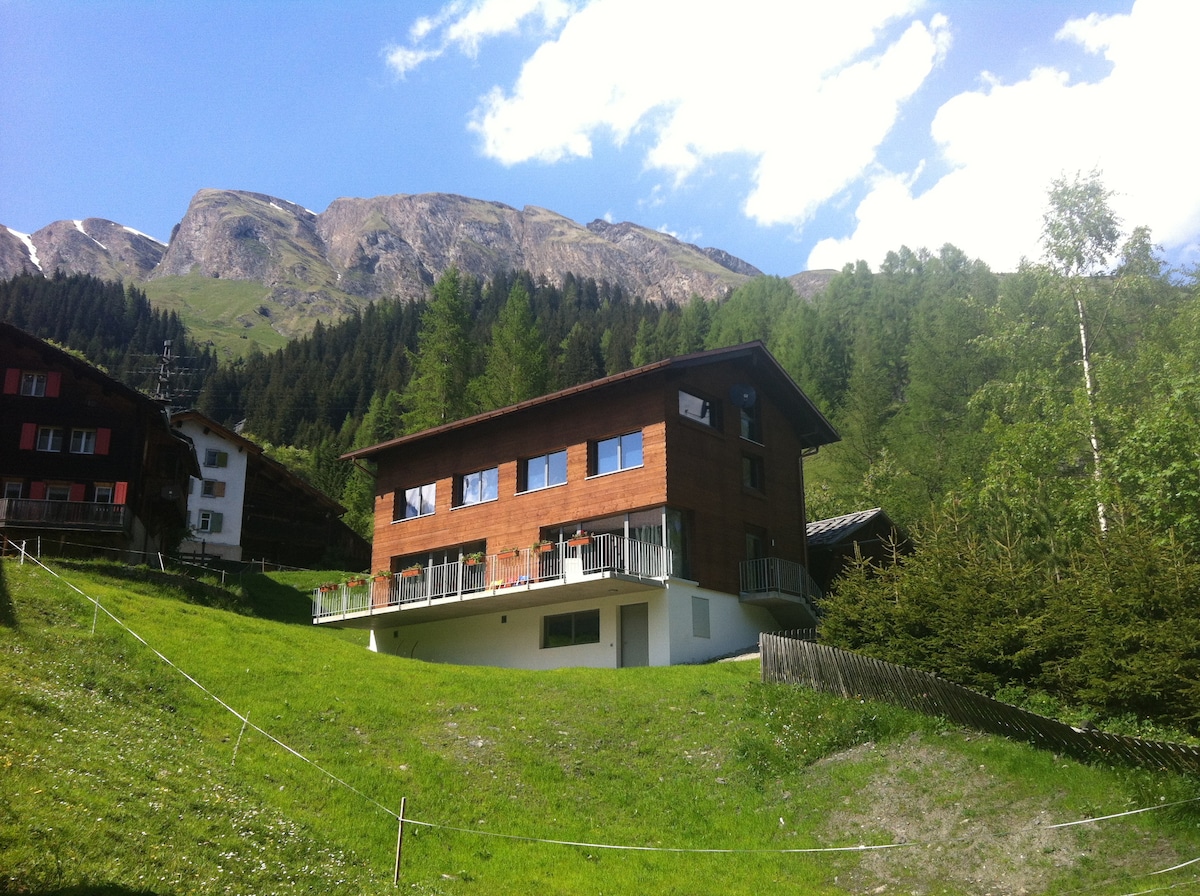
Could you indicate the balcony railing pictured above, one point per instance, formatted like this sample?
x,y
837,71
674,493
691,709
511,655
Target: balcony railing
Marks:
x,y
63,514
558,563
771,575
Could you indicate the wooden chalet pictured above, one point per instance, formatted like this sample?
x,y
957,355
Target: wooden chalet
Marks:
x,y
85,461
651,517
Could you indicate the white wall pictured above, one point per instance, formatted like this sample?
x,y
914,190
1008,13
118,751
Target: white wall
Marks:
x,y
513,639
227,542
733,626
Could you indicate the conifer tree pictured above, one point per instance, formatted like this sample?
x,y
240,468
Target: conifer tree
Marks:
x,y
517,366
437,391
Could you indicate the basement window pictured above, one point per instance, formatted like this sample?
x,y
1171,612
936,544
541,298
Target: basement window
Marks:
x,y
569,629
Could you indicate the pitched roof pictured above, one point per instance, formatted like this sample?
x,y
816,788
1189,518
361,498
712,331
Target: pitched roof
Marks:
x,y
840,528
819,430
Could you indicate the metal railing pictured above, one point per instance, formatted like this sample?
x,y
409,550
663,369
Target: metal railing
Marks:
x,y
773,575
63,514
555,563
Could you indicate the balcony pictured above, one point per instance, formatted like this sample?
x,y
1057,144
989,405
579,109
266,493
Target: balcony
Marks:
x,y
782,586
606,564
38,514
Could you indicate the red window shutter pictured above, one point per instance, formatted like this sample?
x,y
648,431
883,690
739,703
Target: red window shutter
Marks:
x,y
28,436
76,492
37,491
120,492
53,384
12,381
103,440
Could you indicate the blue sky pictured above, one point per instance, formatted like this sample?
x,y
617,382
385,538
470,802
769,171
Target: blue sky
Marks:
x,y
789,134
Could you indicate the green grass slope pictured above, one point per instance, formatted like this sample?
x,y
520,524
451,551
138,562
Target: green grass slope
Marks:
x,y
225,312
119,775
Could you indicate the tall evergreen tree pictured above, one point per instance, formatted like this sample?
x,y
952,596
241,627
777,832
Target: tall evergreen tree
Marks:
x,y
437,391
517,367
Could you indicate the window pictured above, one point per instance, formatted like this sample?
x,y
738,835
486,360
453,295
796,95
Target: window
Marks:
x,y
700,625
752,472
212,488
33,384
475,488
49,438
418,501
12,489
700,410
209,521
568,629
215,458
543,471
619,453
58,492
83,441
752,424
103,493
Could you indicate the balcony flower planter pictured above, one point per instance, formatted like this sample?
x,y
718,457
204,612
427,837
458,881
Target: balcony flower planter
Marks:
x,y
355,583
507,553
473,559
542,547
412,572
382,574
579,539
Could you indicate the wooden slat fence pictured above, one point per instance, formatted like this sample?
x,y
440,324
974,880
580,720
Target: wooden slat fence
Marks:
x,y
795,658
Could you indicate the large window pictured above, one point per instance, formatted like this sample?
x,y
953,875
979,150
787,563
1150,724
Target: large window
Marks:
x,y
568,629
212,488
49,438
618,453
419,501
475,488
700,410
543,471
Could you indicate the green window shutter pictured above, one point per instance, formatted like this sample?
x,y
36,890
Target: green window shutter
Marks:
x,y
216,522
222,458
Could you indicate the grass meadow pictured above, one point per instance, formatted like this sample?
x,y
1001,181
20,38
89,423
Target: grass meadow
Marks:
x,y
232,747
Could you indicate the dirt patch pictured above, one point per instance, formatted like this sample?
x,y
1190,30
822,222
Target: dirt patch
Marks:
x,y
965,832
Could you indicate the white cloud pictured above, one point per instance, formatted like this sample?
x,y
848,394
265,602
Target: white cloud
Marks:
x,y
757,83
464,27
1006,143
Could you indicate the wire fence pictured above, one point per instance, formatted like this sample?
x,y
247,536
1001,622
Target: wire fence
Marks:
x,y
796,658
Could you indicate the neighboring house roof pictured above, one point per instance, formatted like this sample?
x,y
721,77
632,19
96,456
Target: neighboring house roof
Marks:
x,y
270,466
815,428
841,528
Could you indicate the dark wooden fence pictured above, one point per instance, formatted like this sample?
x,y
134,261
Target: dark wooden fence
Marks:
x,y
795,658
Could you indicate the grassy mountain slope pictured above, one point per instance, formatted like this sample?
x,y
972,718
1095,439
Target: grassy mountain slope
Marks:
x,y
122,777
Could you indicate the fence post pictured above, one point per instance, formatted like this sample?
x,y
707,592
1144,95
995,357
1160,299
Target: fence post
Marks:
x,y
399,842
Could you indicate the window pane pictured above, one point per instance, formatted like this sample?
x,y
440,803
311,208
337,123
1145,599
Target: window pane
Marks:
x,y
558,631
427,498
608,455
558,468
535,473
489,485
695,408
470,488
83,441
587,627
412,502
631,450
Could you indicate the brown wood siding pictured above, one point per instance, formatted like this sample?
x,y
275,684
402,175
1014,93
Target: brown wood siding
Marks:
x,y
705,478
516,520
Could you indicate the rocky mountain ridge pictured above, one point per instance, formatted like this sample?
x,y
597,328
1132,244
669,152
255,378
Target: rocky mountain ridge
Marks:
x,y
321,265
